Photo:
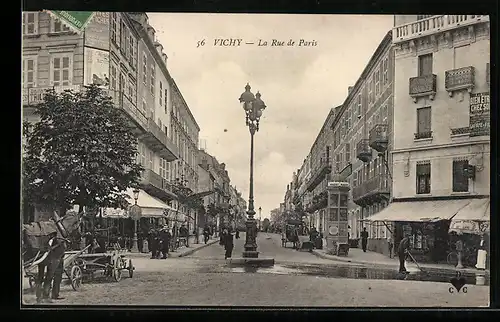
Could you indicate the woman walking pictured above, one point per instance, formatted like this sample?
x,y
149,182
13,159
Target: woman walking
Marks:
x,y
228,244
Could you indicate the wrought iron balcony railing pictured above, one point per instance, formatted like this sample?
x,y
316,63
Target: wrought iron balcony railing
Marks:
x,y
460,78
372,190
423,86
423,135
379,138
460,130
363,150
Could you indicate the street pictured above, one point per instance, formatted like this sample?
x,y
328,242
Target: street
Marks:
x,y
298,279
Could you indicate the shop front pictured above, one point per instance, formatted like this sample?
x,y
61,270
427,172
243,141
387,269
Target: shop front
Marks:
x,y
426,222
471,228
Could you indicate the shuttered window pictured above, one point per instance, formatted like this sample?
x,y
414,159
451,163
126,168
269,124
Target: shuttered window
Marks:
x,y
460,180
425,65
424,120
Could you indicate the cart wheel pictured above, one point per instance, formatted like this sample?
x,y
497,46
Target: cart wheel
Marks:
x,y
76,277
117,270
130,268
32,283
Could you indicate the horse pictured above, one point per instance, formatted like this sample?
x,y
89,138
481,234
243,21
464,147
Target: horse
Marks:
x,y
48,261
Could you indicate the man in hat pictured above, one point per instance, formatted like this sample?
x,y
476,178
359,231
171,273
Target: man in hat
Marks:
x,y
165,237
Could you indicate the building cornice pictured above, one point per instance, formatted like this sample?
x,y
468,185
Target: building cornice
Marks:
x,y
440,146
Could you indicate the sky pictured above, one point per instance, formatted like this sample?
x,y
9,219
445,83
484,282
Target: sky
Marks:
x,y
299,84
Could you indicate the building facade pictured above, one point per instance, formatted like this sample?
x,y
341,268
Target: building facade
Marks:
x,y
362,139
441,147
320,170
118,52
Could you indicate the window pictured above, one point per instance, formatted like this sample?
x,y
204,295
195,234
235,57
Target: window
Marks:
x,y
113,77
425,65
152,85
30,23
377,82
62,70
142,154
424,122
349,118
385,74
166,98
359,106
424,177
151,160
347,153
337,163
130,89
123,36
133,93
161,94
123,84
131,46
57,25
167,170
460,180
113,27
144,69
160,124
370,90
29,72
384,114
355,179
166,130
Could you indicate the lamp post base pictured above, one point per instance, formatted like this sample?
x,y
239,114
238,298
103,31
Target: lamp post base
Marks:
x,y
250,254
135,248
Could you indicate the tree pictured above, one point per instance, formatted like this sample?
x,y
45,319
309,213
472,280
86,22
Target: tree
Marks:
x,y
82,151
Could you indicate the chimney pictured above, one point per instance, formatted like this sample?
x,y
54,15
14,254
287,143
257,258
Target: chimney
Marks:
x,y
159,47
349,89
151,33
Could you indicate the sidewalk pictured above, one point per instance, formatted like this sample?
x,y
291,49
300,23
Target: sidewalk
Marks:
x,y
357,256
180,252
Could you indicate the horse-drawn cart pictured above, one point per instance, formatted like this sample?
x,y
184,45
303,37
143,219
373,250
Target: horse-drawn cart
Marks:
x,y
70,267
111,265
291,233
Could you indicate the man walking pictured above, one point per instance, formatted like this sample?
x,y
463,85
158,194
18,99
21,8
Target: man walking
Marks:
x,y
404,244
390,244
206,233
165,237
364,239
228,243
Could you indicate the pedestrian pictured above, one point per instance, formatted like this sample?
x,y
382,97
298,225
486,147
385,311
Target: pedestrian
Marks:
x,y
404,244
228,244
153,237
390,244
206,233
237,235
55,256
221,237
164,237
364,239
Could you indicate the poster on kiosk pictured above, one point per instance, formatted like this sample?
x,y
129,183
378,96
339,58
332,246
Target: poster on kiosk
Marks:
x,y
337,239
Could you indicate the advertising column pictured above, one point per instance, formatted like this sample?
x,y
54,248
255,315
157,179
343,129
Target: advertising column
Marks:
x,y
337,221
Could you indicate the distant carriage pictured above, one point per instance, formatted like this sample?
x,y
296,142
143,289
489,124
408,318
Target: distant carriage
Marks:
x,y
291,233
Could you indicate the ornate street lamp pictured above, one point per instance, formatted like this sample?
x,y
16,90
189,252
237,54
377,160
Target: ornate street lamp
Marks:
x,y
135,213
253,107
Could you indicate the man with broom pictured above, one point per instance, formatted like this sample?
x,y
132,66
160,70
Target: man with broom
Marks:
x,y
404,244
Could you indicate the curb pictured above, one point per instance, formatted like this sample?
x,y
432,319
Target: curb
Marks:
x,y
191,251
339,259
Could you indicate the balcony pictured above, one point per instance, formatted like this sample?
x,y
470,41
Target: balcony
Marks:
x,y
460,131
318,174
379,138
363,150
372,191
138,120
155,185
421,86
458,79
158,141
34,95
433,25
423,135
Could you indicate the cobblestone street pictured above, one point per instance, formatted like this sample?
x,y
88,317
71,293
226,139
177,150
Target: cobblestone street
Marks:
x,y
204,278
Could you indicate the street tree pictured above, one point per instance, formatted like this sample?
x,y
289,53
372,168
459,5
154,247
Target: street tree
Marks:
x,y
81,152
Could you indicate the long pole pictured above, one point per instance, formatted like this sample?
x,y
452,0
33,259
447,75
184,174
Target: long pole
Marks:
x,y
251,227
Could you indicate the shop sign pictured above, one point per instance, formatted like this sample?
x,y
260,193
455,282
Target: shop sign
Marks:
x,y
470,226
479,114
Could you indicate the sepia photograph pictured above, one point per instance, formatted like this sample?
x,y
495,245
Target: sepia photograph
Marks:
x,y
255,160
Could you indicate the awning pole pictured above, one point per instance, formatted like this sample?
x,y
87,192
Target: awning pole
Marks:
x,y
389,229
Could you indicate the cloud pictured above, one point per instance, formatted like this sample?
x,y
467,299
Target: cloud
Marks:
x,y
298,84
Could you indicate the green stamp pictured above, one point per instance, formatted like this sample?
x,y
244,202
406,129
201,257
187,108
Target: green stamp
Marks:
x,y
76,20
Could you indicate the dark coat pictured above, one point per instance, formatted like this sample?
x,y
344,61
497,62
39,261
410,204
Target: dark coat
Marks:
x,y
404,244
228,241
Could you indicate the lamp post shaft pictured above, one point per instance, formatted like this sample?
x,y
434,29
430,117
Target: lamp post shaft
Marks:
x,y
251,227
135,248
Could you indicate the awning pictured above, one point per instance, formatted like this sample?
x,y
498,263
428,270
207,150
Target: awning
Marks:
x,y
420,211
472,219
151,206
